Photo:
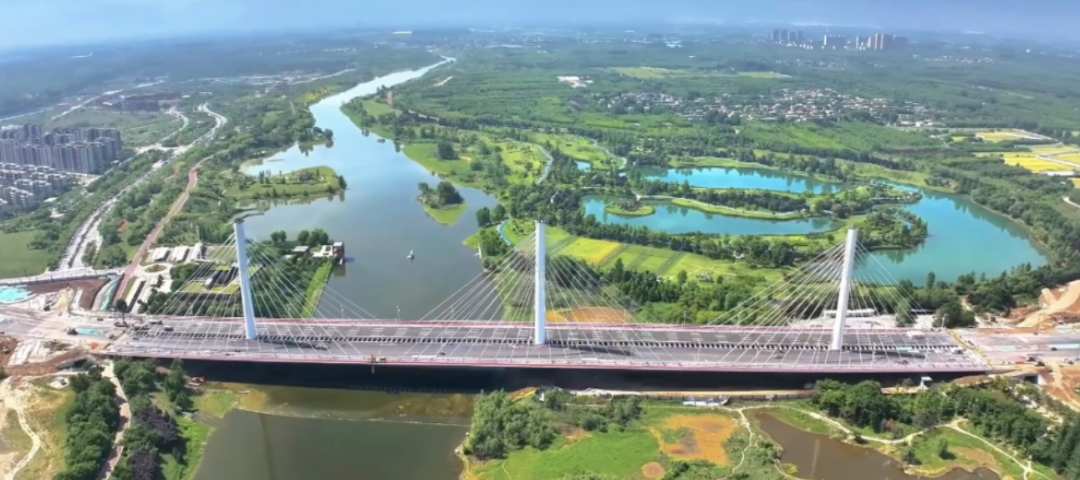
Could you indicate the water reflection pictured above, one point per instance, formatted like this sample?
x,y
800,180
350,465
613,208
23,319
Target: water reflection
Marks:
x,y
818,457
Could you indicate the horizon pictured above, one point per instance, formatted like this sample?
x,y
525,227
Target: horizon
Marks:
x,y
108,21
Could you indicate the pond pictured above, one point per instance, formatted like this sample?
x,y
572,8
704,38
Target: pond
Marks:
x,y
818,457
964,237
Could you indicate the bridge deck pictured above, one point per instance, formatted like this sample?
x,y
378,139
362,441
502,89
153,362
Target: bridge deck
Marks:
x,y
488,344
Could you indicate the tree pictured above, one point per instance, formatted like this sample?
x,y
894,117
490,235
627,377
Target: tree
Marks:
x,y
121,305
931,279
278,237
483,217
904,317
328,134
953,315
445,151
498,214
304,237
942,448
341,182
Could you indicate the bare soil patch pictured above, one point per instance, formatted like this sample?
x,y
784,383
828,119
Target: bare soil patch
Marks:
x,y
590,315
652,470
705,439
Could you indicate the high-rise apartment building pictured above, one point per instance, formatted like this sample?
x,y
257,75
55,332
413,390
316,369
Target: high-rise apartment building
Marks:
x,y
81,150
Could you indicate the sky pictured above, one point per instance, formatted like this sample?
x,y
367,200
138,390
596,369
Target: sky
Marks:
x,y
71,22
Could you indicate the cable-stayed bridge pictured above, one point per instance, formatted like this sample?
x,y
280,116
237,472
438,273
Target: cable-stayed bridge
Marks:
x,y
539,309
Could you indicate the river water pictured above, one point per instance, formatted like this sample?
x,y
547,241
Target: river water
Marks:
x,y
378,218
818,457
326,434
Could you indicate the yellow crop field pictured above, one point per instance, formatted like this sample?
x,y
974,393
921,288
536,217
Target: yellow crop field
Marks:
x,y
1034,164
1075,182
590,250
1069,157
1052,149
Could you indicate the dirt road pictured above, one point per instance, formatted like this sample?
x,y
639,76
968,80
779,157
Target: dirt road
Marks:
x,y
125,420
193,180
14,399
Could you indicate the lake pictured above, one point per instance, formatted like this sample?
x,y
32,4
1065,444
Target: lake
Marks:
x,y
818,457
964,237
328,434
378,218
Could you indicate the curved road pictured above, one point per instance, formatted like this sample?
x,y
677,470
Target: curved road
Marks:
x,y
193,180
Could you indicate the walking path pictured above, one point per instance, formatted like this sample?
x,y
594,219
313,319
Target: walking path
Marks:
x,y
193,180
125,421
955,425
13,399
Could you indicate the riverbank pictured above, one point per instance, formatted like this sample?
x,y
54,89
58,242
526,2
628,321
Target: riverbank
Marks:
x,y
680,441
446,215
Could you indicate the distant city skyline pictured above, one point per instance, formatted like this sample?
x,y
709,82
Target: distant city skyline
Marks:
x,y
70,22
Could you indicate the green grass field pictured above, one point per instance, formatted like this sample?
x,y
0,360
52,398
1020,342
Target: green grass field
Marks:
x,y
735,212
138,128
619,454
300,183
16,257
448,215
577,147
424,154
603,253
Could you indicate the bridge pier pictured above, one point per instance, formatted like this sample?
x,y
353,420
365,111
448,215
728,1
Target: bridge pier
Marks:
x,y
845,289
539,300
245,280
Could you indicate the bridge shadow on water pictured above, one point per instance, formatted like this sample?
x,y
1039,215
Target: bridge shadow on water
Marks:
x,y
474,380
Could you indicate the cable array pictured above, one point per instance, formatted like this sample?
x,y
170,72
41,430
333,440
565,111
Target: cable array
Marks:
x,y
589,321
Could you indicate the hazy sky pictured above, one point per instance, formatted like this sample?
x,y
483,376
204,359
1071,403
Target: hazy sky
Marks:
x,y
40,22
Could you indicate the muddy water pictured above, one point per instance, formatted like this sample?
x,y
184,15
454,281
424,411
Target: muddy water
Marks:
x,y
818,457
329,434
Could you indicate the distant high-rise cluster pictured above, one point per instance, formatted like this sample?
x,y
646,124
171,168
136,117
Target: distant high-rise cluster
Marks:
x,y
880,41
24,186
786,36
79,150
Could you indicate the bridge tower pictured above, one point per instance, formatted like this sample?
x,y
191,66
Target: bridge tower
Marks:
x,y
539,302
246,299
845,289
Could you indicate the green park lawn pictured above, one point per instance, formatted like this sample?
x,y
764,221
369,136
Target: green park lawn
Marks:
x,y
735,212
16,257
300,183
446,215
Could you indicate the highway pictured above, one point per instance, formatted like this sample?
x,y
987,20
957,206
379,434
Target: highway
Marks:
x,y
488,344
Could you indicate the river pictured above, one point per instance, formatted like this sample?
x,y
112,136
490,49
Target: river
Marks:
x,y
378,218
964,237
818,457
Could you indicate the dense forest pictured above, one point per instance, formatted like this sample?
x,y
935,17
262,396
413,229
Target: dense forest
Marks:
x,y
91,423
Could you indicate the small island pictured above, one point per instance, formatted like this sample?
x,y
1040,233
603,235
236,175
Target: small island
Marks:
x,y
444,203
307,182
630,208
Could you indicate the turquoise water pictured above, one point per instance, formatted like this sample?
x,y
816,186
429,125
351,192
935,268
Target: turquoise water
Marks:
x,y
88,331
749,177
964,237
13,294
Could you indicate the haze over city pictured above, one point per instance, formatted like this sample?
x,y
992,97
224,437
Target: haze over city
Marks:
x,y
53,22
